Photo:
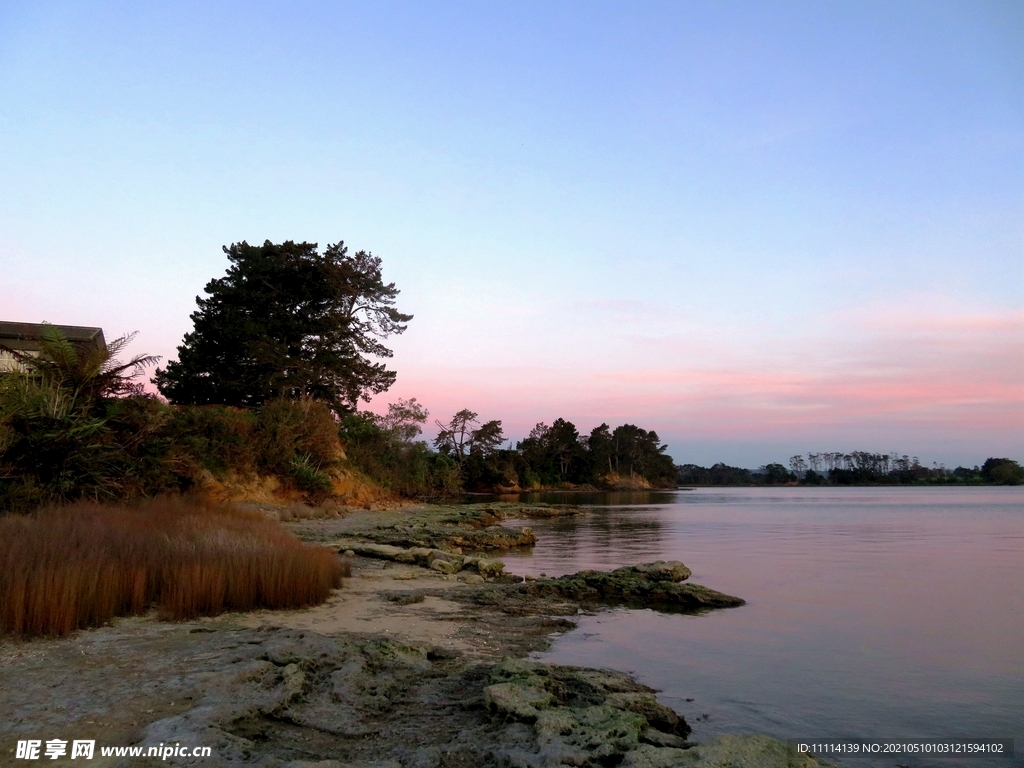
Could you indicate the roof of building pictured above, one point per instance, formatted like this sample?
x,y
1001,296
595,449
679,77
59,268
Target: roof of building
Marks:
x,y
26,336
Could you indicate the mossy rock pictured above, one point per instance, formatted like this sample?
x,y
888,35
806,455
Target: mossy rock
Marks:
x,y
656,584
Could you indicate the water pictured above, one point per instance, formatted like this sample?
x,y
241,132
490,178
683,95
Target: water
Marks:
x,y
876,613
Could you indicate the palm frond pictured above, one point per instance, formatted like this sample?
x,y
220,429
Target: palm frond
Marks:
x,y
92,371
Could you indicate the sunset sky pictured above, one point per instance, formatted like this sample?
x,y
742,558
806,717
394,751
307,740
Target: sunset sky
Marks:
x,y
757,228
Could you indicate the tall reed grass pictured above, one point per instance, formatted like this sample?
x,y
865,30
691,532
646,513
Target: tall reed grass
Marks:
x,y
67,568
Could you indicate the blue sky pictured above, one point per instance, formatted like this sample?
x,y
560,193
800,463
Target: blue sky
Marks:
x,y
758,228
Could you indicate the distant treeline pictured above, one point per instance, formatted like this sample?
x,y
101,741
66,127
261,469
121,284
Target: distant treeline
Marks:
x,y
856,468
551,456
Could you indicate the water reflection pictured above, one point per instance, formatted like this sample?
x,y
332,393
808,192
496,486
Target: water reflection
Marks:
x,y
583,498
601,539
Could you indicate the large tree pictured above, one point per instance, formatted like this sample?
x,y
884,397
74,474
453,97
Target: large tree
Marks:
x,y
288,321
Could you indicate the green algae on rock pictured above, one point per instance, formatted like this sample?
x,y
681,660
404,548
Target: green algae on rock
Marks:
x,y
581,716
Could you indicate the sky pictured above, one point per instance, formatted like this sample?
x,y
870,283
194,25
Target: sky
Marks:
x,y
758,228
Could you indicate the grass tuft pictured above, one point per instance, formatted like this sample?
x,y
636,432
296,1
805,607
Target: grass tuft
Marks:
x,y
67,568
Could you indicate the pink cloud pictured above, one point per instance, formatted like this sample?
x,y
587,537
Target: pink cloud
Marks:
x,y
948,377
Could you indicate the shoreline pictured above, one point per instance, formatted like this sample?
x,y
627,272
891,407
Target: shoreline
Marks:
x,y
405,665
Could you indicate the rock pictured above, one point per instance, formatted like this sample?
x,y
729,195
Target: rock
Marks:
x,y
489,567
648,756
529,577
633,586
660,739
597,734
349,553
581,716
450,537
471,578
659,716
517,700
383,552
444,566
423,556
660,570
405,598
437,554
724,752
420,554
293,679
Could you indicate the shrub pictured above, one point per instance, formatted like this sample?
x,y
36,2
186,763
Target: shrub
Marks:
x,y
63,569
285,430
59,436
308,475
55,445
211,437
408,468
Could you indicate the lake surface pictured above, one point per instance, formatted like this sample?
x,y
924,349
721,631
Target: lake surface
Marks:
x,y
874,613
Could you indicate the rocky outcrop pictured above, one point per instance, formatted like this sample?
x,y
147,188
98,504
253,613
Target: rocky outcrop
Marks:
x,y
589,717
659,570
276,698
450,537
658,585
468,527
425,557
573,707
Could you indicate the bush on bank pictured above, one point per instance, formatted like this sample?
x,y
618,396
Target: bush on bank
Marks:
x,y
130,447
395,461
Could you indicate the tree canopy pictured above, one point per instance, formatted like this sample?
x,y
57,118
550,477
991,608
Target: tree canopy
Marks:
x,y
458,437
288,321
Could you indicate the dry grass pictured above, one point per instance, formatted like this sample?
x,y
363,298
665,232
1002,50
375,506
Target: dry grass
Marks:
x,y
72,567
